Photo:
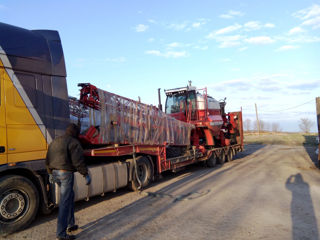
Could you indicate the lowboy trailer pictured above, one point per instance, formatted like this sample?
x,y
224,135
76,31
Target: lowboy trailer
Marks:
x,y
126,143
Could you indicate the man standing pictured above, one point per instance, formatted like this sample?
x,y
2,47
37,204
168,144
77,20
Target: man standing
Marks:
x,y
64,157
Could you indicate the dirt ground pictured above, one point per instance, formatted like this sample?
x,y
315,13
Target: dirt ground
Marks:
x,y
267,192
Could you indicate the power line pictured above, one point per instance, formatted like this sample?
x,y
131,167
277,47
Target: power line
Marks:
x,y
290,107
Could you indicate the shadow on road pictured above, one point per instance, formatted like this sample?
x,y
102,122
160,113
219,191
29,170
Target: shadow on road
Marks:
x,y
302,210
139,206
127,221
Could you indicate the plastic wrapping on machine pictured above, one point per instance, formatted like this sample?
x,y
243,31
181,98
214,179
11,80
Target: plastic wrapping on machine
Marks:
x,y
124,121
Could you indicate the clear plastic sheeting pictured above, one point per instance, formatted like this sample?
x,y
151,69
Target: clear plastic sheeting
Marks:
x,y
125,121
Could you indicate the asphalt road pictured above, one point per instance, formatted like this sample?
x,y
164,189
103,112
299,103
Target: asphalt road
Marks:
x,y
267,192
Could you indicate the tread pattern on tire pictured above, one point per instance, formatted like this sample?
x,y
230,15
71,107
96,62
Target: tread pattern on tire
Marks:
x,y
22,184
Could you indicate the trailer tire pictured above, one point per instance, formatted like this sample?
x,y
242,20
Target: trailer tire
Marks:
x,y
144,171
222,158
212,161
19,201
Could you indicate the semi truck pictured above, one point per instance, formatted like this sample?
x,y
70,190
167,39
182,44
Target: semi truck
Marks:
x,y
126,142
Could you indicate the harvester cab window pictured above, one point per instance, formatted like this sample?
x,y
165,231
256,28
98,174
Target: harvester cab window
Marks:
x,y
192,104
176,103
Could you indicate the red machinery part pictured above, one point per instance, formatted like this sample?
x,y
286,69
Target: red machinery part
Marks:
x,y
113,119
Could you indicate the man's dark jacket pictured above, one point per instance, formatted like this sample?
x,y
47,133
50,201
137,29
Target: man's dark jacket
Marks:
x,y
66,153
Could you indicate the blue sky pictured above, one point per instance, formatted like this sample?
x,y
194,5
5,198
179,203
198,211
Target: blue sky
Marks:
x,y
263,52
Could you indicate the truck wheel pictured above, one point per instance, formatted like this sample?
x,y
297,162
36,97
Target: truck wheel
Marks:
x,y
222,158
144,172
19,201
229,156
211,161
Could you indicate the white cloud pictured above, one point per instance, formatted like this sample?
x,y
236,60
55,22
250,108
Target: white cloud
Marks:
x,y
178,26
308,12
168,54
256,25
286,47
301,39
310,16
260,40
228,44
249,26
196,24
173,45
152,21
228,41
141,28
313,22
252,25
228,29
154,52
231,14
296,30
269,25
187,25
151,39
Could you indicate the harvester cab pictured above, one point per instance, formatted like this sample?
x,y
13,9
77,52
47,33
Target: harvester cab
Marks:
x,y
181,103
195,106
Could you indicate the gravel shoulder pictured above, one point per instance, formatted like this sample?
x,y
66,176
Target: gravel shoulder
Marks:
x,y
267,192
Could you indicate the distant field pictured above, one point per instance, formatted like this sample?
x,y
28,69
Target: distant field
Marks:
x,y
293,139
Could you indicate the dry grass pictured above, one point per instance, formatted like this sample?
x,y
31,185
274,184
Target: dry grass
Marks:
x,y
292,139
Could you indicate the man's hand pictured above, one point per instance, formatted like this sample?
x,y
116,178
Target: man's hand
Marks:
x,y
88,179
51,181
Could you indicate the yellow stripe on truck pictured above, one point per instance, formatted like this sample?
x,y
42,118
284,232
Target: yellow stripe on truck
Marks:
x,y
25,140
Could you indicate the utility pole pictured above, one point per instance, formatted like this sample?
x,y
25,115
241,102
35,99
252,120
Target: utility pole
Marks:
x,y
318,120
258,123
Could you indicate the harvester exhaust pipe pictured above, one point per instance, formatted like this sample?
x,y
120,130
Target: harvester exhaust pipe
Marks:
x,y
159,97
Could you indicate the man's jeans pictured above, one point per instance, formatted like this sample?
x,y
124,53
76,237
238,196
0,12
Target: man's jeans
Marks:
x,y
66,205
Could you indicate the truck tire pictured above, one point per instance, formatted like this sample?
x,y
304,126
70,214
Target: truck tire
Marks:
x,y
19,201
212,160
144,172
222,158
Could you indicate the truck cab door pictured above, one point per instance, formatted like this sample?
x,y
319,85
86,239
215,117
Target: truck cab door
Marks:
x,y
3,129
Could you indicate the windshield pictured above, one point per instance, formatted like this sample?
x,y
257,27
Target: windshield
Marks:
x,y
176,103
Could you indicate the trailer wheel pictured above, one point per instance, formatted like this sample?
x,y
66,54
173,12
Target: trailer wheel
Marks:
x,y
144,172
222,158
211,161
19,201
229,155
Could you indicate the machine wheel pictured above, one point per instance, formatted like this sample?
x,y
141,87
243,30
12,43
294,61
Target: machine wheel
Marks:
x,y
229,155
211,161
19,201
144,172
222,158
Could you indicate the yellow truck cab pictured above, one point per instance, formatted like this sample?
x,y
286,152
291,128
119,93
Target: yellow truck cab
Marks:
x,y
33,111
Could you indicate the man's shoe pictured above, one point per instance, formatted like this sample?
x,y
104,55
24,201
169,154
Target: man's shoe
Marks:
x,y
68,237
73,228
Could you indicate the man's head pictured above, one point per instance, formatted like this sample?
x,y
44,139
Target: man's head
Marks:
x,y
73,130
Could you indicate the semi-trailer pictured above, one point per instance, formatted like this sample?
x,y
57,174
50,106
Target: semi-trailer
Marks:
x,y
126,142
